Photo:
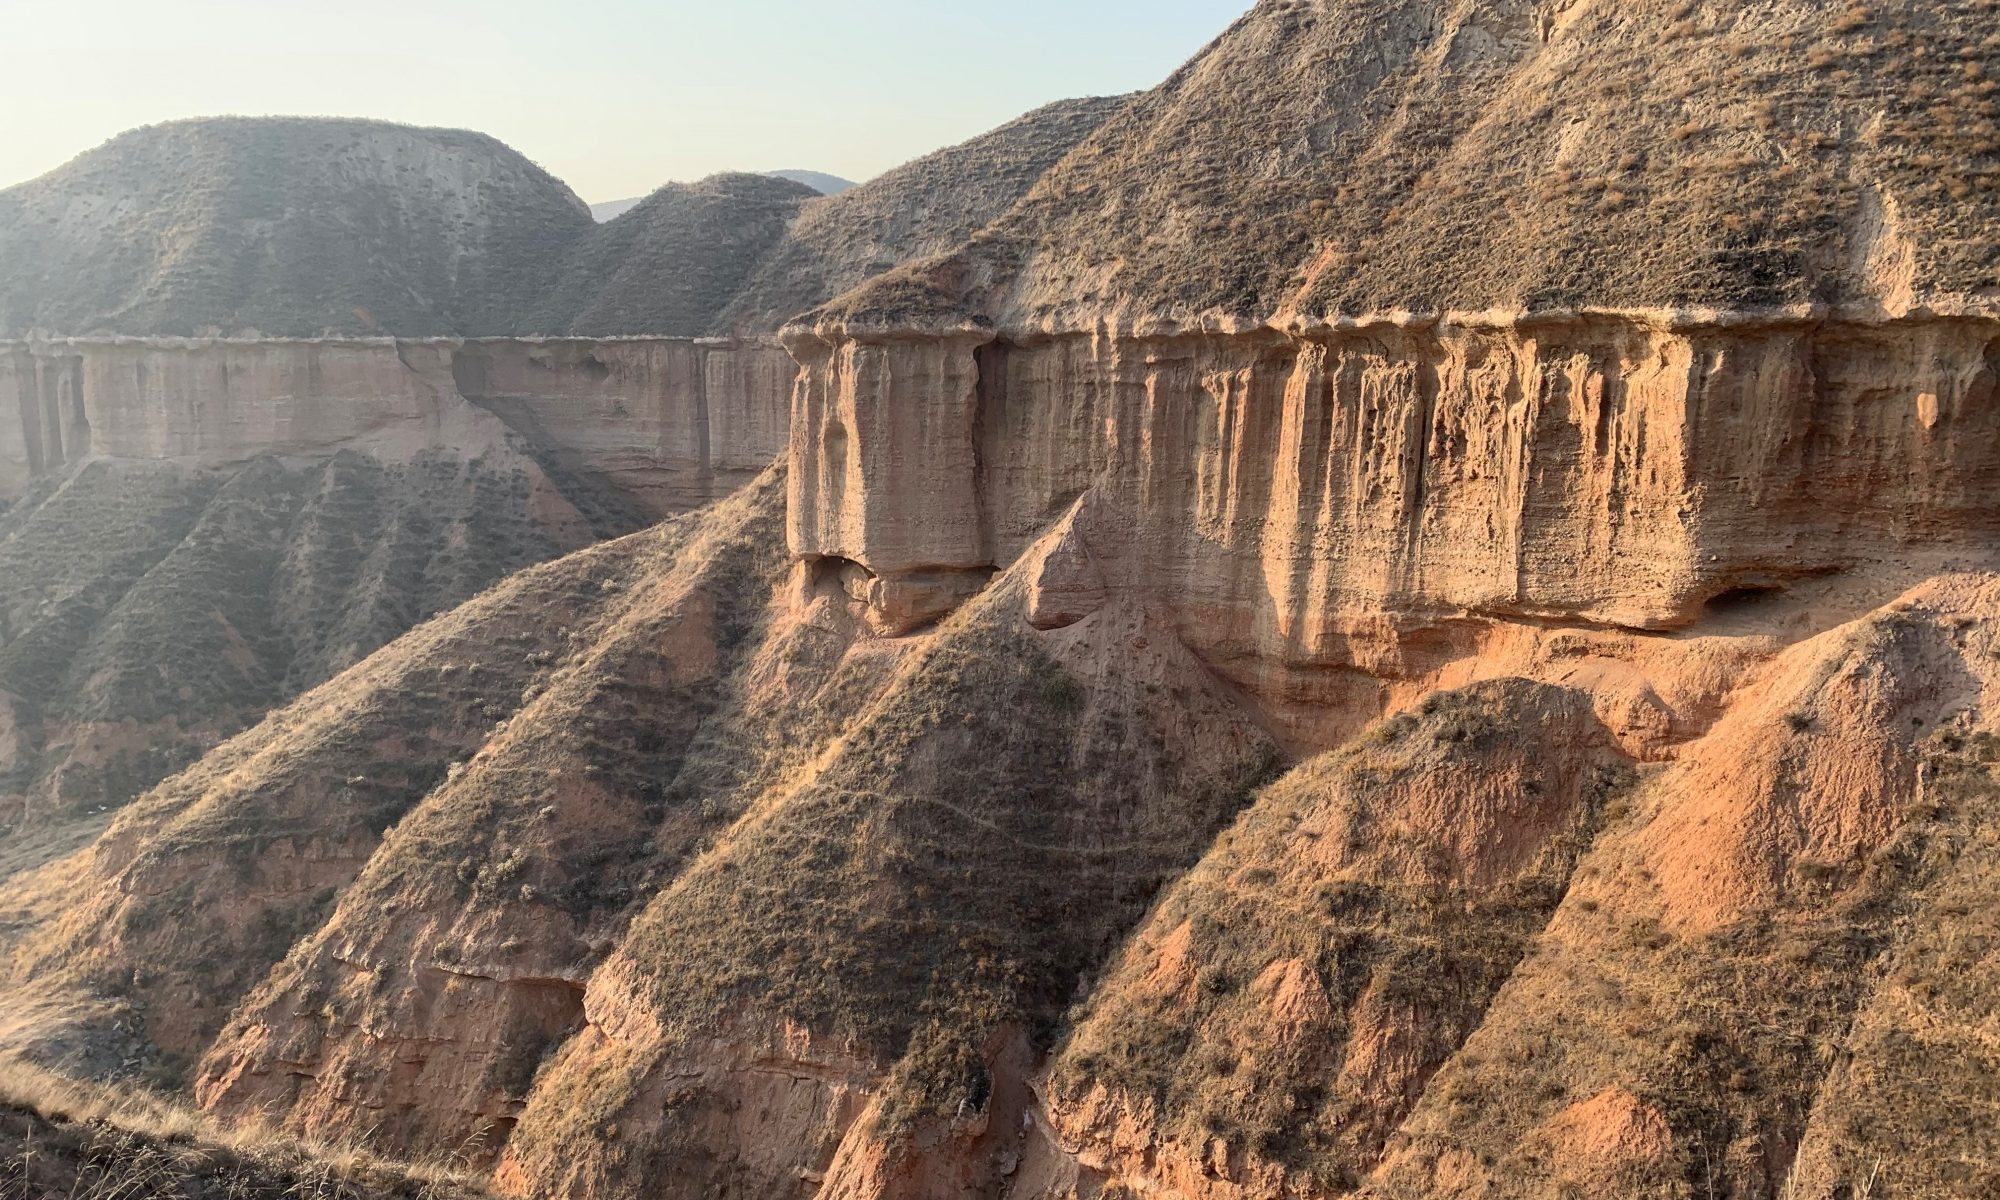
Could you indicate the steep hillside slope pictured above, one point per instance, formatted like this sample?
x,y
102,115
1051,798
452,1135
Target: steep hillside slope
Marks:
x,y
657,869
918,210
264,832
1487,982
672,262
286,227
639,800
203,528
1338,157
1292,995
856,982
151,611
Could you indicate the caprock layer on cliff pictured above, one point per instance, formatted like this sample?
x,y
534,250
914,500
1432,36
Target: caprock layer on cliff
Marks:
x,y
1317,514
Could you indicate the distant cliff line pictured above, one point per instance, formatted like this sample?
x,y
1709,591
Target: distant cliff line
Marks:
x,y
666,423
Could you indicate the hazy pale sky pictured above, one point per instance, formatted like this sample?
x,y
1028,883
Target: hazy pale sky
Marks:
x,y
614,96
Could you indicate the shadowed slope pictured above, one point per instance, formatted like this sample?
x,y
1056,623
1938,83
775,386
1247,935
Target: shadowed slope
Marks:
x,y
419,1011
1290,997
256,841
898,924
147,612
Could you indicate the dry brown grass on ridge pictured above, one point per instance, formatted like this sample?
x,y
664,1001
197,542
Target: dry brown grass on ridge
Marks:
x,y
82,1141
1348,909
1908,1109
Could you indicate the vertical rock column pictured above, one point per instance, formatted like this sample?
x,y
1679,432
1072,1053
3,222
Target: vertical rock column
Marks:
x,y
20,423
72,413
884,482
48,409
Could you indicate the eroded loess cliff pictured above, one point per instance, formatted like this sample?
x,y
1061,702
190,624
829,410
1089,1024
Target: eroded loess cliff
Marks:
x,y
1319,514
643,427
651,423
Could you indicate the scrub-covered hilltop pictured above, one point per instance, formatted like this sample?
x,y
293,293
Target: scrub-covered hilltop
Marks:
x,y
286,227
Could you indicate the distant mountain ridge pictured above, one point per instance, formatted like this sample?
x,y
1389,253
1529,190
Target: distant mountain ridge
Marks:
x,y
919,209
818,181
673,261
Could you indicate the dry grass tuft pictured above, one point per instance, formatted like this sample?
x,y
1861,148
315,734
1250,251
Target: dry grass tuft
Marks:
x,y
81,1141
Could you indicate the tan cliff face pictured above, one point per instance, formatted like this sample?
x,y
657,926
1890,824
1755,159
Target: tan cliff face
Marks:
x,y
1313,509
668,424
